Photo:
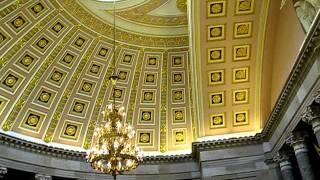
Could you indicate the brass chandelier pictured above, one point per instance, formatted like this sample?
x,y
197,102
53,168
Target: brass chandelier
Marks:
x,y
112,151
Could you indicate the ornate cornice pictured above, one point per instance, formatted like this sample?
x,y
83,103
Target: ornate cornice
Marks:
x,y
226,143
299,71
77,155
39,148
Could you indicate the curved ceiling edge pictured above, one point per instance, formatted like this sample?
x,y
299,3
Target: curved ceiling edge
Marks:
x,y
77,12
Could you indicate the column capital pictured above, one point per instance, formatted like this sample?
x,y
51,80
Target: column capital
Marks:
x,y
3,171
282,155
297,140
312,113
42,177
312,116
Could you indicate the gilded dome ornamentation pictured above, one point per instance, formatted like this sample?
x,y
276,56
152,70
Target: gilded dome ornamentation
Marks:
x,y
18,22
144,138
56,76
78,107
240,117
32,120
10,81
178,115
27,60
240,96
148,96
42,43
70,130
44,97
216,99
217,120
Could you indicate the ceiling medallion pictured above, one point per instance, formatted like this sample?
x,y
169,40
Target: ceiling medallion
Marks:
x,y
112,151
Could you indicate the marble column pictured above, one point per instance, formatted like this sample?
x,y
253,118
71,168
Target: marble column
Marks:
x,y
42,177
274,169
312,117
297,141
3,172
286,168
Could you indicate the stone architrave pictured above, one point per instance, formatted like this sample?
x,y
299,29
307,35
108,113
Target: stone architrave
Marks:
x,y
297,141
283,158
3,171
42,177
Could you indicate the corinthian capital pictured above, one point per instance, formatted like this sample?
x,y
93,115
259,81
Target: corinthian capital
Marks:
x,y
312,113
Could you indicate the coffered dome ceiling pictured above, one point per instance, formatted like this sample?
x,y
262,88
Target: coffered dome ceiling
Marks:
x,y
55,65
